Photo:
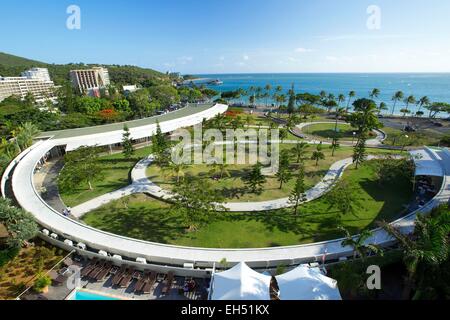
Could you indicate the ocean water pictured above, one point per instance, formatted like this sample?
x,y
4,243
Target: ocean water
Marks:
x,y
434,85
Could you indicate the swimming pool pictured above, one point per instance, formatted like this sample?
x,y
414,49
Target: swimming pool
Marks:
x,y
87,296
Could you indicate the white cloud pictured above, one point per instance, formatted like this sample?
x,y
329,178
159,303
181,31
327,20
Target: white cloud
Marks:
x,y
246,57
185,60
302,50
331,58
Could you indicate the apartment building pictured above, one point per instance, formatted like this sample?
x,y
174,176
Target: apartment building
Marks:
x,y
90,81
35,81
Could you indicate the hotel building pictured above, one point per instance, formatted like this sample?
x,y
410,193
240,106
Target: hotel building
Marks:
x,y
35,81
90,81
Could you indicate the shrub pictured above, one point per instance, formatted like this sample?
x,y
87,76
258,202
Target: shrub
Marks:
x,y
41,283
7,255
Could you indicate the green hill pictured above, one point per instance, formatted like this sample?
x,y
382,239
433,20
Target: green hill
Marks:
x,y
8,60
11,66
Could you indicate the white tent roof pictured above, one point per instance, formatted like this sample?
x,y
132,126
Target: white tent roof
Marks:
x,y
426,163
240,283
304,283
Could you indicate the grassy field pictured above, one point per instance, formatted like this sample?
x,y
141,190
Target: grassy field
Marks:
x,y
234,188
327,130
117,171
145,218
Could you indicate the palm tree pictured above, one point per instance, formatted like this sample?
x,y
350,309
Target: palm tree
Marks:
x,y
408,101
178,169
375,93
299,150
398,96
359,245
428,244
351,95
423,102
268,89
317,155
222,169
382,107
341,98
25,135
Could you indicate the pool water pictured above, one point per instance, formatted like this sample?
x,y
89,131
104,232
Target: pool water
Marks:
x,y
87,296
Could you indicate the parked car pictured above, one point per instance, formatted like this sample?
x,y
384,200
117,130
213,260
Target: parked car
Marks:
x,y
409,129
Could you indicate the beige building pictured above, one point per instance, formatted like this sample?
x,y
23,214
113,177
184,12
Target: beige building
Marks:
x,y
90,80
35,81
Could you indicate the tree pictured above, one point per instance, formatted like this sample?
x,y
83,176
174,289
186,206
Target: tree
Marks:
x,y
335,145
382,107
299,150
398,96
254,179
351,95
437,108
165,95
298,194
359,151
422,102
359,245
291,104
343,198
128,149
197,202
408,101
81,165
283,134
428,245
178,169
25,135
20,224
42,282
375,93
160,146
318,155
222,169
140,103
284,174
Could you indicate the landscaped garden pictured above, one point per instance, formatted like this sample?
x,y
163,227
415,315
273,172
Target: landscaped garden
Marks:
x,y
328,130
229,179
115,175
143,217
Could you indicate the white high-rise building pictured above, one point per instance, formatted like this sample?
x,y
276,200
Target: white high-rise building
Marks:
x,y
41,74
90,80
35,81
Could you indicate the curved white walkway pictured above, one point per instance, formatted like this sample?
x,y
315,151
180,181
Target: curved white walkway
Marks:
x,y
141,184
175,256
381,136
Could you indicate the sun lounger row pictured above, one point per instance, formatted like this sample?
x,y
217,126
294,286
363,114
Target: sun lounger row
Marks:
x,y
123,277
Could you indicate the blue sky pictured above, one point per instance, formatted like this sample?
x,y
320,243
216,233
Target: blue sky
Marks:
x,y
229,36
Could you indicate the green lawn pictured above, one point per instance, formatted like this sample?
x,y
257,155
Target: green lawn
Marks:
x,y
117,171
234,188
145,218
327,130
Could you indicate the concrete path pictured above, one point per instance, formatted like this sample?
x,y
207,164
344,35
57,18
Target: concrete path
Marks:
x,y
141,184
381,136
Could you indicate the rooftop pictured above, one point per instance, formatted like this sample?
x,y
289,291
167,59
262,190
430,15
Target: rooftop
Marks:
x,y
189,110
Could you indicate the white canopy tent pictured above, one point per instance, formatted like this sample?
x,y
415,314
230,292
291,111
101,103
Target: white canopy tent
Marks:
x,y
305,283
240,283
426,163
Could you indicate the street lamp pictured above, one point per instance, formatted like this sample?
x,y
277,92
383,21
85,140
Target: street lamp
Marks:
x,y
353,139
404,145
